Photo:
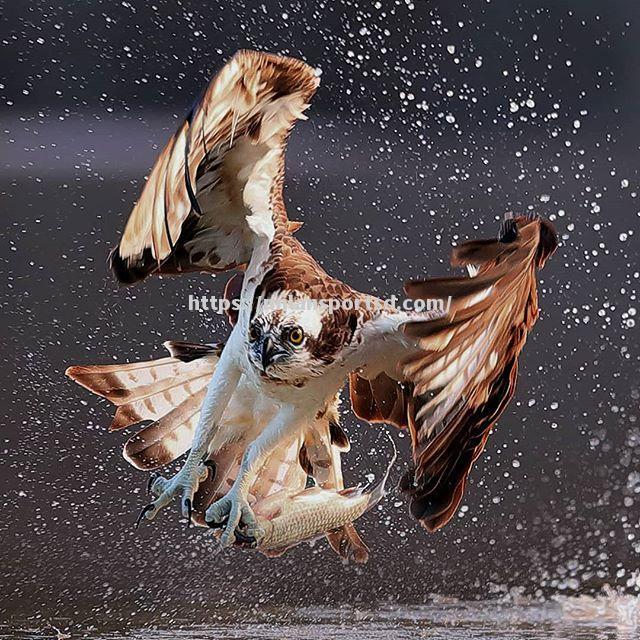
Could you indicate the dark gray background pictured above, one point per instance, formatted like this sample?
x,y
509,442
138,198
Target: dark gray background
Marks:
x,y
385,182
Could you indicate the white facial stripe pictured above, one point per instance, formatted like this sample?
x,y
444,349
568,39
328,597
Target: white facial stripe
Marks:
x,y
309,317
310,320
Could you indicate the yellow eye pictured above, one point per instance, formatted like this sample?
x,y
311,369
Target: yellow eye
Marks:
x,y
296,336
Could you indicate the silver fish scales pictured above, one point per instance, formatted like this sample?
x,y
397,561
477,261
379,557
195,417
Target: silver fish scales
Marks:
x,y
289,519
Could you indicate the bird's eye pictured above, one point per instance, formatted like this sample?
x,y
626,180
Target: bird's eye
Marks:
x,y
296,336
254,333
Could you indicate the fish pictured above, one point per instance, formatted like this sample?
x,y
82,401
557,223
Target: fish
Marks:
x,y
289,518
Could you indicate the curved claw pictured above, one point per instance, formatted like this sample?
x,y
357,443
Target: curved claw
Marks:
x,y
211,465
150,481
243,540
143,513
216,525
187,504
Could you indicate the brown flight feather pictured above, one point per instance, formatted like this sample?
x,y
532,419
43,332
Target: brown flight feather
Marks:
x,y
224,164
462,377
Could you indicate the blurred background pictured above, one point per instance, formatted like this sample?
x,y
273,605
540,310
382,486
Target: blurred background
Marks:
x,y
433,119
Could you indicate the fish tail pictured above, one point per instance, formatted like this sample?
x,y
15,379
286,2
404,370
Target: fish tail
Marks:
x,y
348,544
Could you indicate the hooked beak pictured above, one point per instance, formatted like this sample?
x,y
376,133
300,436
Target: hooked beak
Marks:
x,y
267,353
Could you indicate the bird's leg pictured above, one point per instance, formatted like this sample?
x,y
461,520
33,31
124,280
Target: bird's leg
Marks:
x,y
232,510
185,482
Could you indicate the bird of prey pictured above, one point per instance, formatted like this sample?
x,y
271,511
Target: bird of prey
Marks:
x,y
213,202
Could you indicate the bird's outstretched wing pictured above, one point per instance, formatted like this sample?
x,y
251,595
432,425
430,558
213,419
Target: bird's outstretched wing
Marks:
x,y
218,182
455,375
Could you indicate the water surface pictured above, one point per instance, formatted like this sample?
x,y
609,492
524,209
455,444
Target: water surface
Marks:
x,y
567,619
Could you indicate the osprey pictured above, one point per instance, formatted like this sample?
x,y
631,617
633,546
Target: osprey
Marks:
x,y
259,413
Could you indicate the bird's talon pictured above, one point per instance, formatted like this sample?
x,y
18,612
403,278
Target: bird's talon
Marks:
x,y
216,525
188,508
158,485
243,540
152,478
143,512
235,517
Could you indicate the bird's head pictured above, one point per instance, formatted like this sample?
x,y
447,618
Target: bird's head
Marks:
x,y
291,338
284,345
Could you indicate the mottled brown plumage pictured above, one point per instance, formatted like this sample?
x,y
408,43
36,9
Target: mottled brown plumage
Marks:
x,y
192,214
214,202
461,380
